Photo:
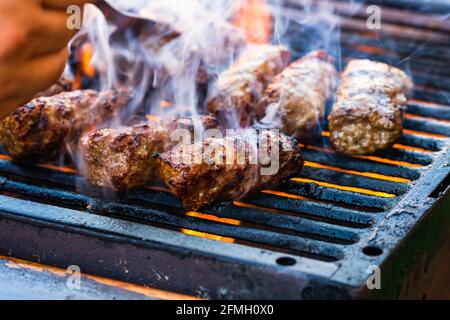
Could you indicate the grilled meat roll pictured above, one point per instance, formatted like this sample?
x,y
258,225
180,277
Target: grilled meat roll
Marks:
x,y
238,89
120,159
200,184
296,99
63,84
37,132
368,114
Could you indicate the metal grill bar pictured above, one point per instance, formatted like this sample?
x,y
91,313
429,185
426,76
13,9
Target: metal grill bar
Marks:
x,y
428,143
352,180
177,219
399,155
427,126
437,112
361,164
334,210
315,191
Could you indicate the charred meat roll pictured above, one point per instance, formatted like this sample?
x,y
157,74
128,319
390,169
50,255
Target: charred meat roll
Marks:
x,y
368,114
122,158
296,99
223,175
238,89
37,132
63,84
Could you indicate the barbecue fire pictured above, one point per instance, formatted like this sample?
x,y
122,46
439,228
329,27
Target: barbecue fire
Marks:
x,y
255,19
87,52
237,149
85,67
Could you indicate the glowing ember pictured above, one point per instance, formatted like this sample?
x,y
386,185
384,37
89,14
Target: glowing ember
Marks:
x,y
416,149
86,53
255,19
358,173
389,161
345,188
369,49
372,158
210,218
396,146
152,118
213,218
58,168
415,116
286,195
425,134
85,69
207,235
165,104
45,166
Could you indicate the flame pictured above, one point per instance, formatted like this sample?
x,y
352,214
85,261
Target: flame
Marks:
x,y
85,66
211,217
86,53
5,157
207,235
255,19
166,104
152,118
58,168
415,116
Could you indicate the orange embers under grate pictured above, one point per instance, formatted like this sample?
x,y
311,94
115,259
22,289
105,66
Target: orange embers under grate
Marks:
x,y
373,158
210,218
415,116
254,18
46,166
152,118
207,235
147,291
358,173
345,188
86,69
401,146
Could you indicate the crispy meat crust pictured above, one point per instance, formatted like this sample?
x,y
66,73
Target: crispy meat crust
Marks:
x,y
296,99
120,159
202,183
63,84
37,131
368,114
239,88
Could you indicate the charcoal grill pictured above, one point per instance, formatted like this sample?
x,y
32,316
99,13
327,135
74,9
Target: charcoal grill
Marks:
x,y
315,237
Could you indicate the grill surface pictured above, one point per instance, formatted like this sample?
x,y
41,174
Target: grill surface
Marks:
x,y
316,236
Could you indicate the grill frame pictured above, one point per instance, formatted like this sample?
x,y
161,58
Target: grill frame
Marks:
x,y
136,241
120,249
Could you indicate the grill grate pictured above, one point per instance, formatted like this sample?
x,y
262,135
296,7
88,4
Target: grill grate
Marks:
x,y
318,231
